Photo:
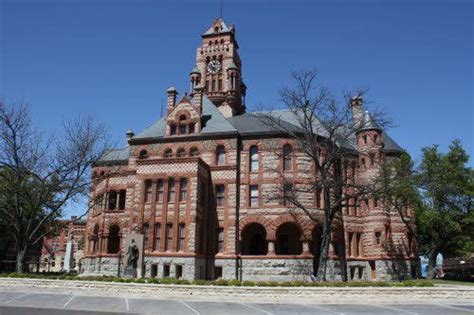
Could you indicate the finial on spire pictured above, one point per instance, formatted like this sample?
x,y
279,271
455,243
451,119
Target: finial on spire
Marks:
x,y
222,9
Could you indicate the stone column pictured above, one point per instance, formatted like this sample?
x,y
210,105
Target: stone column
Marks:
x,y
271,248
305,247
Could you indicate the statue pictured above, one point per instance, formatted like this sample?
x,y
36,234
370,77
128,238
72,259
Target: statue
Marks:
x,y
132,253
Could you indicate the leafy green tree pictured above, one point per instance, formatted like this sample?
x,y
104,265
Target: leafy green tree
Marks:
x,y
445,214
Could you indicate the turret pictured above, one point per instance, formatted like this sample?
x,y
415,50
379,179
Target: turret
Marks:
x,y
194,78
172,93
369,142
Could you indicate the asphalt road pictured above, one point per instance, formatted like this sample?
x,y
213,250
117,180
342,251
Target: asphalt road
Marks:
x,y
39,303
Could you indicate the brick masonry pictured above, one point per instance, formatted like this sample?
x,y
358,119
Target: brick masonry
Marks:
x,y
167,190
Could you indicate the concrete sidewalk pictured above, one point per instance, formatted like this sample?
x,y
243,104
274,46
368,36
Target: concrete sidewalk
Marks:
x,y
320,295
34,301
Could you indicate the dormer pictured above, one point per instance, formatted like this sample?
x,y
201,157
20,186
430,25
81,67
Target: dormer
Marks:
x,y
184,117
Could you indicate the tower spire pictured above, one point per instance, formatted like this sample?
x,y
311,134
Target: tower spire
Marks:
x,y
222,9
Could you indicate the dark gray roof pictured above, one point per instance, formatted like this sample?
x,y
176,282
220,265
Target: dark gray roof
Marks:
x,y
368,123
256,123
212,122
116,155
223,28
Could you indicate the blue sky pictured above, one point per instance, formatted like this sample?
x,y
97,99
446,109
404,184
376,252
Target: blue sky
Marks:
x,y
115,59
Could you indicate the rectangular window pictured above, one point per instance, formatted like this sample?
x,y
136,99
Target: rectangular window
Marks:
x,y
148,190
183,189
169,236
166,271
122,199
220,240
220,195
156,245
213,86
159,191
387,233
171,190
217,272
182,129
253,202
319,191
191,128
351,244
219,86
145,236
172,129
154,270
112,200
378,237
181,231
254,159
179,271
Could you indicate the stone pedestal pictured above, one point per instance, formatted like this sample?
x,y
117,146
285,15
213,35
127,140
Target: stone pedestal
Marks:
x,y
69,256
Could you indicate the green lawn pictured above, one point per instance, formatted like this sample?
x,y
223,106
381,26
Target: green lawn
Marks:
x,y
451,282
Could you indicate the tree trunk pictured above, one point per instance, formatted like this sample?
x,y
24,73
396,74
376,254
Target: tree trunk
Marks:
x,y
325,240
20,260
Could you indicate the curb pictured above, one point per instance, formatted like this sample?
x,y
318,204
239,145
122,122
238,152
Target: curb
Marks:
x,y
261,294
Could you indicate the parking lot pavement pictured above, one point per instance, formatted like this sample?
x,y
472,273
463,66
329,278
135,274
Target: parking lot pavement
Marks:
x,y
39,303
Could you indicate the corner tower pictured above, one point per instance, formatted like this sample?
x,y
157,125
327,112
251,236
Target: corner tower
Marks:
x,y
219,69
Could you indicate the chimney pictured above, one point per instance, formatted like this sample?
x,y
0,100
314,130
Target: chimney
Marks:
x,y
129,135
197,96
171,98
356,106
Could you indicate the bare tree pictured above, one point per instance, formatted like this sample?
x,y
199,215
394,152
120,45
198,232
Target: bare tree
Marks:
x,y
324,131
40,175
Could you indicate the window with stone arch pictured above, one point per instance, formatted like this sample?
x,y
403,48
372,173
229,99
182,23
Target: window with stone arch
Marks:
x,y
168,153
220,155
253,151
180,152
95,239
287,158
288,239
143,154
194,152
254,240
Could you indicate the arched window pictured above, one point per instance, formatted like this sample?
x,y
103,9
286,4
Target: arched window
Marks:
x,y
168,153
194,152
287,157
95,239
254,240
113,242
180,152
143,154
288,240
220,155
253,158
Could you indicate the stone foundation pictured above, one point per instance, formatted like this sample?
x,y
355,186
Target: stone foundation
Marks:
x,y
100,266
253,269
276,269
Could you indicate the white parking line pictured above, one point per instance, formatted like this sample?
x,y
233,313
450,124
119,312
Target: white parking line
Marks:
x,y
69,301
456,308
256,308
126,305
325,309
17,298
393,309
188,306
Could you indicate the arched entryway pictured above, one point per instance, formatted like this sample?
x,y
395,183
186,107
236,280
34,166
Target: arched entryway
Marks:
x,y
288,239
113,241
254,240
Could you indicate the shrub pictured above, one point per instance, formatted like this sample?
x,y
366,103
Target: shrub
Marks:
x,y
248,283
220,282
235,282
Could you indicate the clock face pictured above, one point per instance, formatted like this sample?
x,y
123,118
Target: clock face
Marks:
x,y
213,66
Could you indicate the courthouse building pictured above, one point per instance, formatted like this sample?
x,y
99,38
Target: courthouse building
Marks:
x,y
194,184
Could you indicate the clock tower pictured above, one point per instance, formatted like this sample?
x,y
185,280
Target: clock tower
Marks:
x,y
219,69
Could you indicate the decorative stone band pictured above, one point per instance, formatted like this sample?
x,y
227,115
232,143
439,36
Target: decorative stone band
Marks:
x,y
329,295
